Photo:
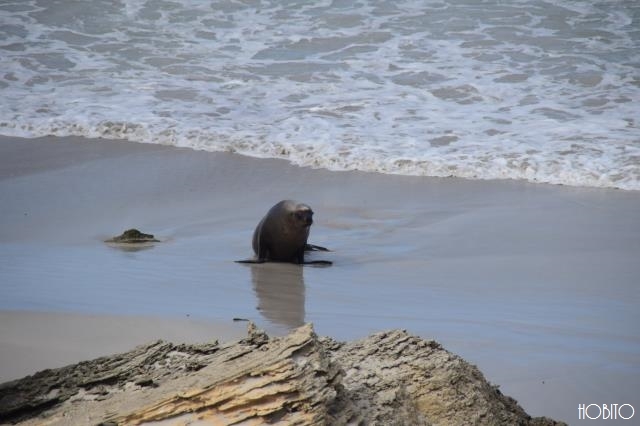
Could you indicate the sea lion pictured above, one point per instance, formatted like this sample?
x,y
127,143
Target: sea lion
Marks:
x,y
281,235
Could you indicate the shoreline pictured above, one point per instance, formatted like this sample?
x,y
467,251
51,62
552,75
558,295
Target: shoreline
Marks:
x,y
524,280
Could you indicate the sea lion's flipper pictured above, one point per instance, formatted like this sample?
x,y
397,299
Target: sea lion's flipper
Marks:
x,y
318,262
313,247
250,261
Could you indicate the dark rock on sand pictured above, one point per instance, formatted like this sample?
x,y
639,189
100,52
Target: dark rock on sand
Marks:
x,y
389,378
132,236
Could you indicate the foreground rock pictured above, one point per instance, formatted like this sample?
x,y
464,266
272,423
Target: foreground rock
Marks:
x,y
389,378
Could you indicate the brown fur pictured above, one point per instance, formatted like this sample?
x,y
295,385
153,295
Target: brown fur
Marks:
x,y
282,234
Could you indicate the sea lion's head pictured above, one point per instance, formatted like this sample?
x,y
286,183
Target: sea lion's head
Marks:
x,y
296,215
301,216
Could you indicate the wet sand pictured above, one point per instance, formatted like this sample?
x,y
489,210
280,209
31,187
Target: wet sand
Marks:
x,y
33,341
535,284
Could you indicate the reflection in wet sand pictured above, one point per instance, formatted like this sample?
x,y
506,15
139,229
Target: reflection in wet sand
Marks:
x,y
280,289
129,247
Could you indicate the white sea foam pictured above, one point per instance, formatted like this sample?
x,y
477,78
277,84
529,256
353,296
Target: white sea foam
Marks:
x,y
547,91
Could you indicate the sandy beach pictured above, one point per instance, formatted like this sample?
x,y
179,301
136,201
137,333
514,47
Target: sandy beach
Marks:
x,y
32,341
535,284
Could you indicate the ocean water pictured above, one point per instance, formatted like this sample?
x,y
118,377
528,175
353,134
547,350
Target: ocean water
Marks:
x,y
546,91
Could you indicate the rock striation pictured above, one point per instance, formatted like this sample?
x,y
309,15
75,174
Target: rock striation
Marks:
x,y
389,378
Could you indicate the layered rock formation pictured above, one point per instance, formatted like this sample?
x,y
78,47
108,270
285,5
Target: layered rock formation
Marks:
x,y
389,378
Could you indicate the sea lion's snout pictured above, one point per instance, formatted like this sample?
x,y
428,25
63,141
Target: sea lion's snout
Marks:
x,y
305,216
